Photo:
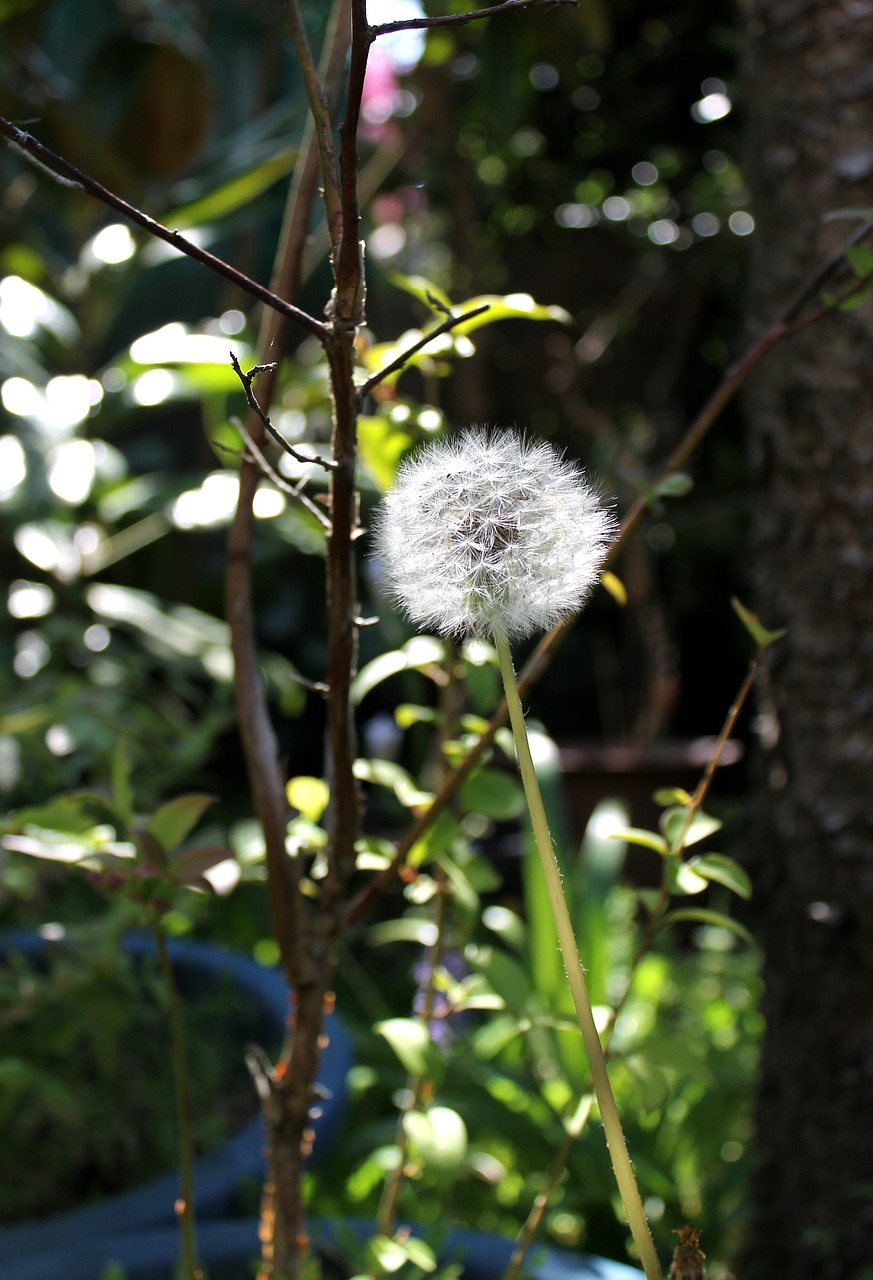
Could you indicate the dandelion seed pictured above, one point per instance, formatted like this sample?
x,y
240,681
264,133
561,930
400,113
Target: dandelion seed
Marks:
x,y
491,533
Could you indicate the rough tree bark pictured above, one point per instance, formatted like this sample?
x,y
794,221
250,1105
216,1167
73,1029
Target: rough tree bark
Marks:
x,y
810,409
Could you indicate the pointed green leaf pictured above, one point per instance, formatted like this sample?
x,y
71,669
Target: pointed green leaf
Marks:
x,y
410,1040
761,636
385,773
122,791
417,654
674,486
701,915
721,869
420,287
438,1137
173,821
673,826
668,796
639,836
234,194
686,880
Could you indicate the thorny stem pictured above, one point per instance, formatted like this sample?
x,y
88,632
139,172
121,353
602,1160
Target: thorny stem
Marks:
x,y
31,149
185,1205
618,1152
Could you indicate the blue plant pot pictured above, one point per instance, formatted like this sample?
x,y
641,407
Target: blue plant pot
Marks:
x,y
80,1235
227,1249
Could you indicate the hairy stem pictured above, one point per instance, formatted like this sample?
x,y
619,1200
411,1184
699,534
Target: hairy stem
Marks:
x,y
618,1152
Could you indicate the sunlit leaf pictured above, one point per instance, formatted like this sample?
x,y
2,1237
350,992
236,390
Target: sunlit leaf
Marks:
x,y
385,773
381,445
722,870
639,836
668,796
615,587
309,796
673,826
234,194
410,1040
438,1137
418,654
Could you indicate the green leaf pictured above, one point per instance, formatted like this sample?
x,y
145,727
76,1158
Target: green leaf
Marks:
x,y
309,796
494,793
75,813
702,915
417,654
173,821
410,1040
761,636
860,257
385,773
235,194
674,486
721,869
122,791
701,825
510,306
403,929
668,796
381,444
438,1137
420,288
685,880
407,714
646,839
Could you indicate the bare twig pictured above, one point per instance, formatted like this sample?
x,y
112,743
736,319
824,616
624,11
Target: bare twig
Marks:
x,y
247,379
255,455
461,19
28,146
399,361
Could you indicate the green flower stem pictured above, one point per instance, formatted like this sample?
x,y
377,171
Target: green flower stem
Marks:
x,y
618,1152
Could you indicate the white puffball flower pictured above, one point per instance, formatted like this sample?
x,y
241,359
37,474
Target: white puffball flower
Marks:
x,y
489,532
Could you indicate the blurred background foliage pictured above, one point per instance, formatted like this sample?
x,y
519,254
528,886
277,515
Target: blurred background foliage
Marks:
x,y
588,157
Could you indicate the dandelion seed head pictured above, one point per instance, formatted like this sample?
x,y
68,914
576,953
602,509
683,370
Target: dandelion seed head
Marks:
x,y
489,532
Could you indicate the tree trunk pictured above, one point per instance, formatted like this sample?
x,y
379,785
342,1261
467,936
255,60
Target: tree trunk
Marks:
x,y
810,408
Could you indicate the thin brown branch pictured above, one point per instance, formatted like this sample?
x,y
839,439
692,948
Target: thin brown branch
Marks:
x,y
247,379
253,454
29,147
321,120
462,19
451,323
